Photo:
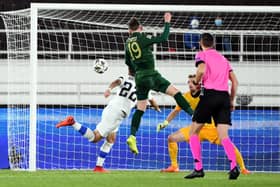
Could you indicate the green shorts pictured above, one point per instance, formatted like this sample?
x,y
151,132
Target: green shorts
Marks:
x,y
149,81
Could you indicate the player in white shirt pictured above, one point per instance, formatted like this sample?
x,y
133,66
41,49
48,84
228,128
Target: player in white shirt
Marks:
x,y
118,108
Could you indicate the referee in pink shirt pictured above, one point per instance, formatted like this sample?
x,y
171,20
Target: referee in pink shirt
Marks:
x,y
213,72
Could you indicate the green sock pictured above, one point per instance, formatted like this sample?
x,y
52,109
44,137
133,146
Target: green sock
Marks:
x,y
181,101
136,119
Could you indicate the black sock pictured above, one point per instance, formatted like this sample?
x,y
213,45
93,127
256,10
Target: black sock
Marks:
x,y
181,101
135,123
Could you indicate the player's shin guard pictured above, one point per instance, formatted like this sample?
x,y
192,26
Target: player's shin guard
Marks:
x,y
104,150
183,103
229,149
196,151
136,119
86,132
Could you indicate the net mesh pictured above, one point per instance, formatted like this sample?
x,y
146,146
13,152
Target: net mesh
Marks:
x,y
69,41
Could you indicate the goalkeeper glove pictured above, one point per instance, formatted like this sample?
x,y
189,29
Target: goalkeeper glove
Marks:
x,y
162,125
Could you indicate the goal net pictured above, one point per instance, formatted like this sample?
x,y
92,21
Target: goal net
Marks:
x,y
50,54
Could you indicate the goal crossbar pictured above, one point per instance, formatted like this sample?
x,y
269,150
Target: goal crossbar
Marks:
x,y
160,8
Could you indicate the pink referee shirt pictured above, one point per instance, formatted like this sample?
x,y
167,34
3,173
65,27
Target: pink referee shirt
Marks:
x,y
217,70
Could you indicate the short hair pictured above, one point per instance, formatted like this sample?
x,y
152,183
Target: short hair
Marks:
x,y
133,24
207,40
192,76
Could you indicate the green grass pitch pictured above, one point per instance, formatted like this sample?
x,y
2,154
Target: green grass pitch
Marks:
x,y
131,179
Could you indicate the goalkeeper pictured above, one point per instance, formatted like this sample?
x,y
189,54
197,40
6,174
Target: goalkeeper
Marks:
x,y
139,57
207,133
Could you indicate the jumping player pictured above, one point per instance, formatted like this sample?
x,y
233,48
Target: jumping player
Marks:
x,y
139,56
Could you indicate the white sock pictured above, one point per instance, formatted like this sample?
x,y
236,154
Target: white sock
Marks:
x,y
86,132
104,150
77,126
89,135
100,161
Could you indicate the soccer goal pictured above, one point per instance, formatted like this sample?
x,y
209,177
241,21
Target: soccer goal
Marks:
x,y
50,54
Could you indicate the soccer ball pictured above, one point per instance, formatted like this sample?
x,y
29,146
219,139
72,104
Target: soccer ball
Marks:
x,y
100,65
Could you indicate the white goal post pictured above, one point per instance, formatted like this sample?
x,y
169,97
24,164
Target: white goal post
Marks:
x,y
66,35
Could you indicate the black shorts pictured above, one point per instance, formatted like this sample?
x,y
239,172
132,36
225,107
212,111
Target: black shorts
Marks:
x,y
214,104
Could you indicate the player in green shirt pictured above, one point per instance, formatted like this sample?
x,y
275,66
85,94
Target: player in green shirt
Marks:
x,y
139,57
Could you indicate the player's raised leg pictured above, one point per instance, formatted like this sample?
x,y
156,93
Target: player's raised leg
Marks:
x,y
68,121
92,136
180,100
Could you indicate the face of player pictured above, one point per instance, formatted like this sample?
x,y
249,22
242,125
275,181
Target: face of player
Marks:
x,y
192,87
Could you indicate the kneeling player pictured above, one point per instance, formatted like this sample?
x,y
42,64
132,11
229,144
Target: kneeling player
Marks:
x,y
207,133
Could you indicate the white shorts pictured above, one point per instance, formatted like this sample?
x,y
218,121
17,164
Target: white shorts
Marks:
x,y
110,120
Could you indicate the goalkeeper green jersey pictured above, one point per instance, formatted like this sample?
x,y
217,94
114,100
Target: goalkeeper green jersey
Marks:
x,y
138,51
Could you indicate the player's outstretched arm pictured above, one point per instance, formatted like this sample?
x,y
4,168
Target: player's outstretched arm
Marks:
x,y
169,118
112,85
164,36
